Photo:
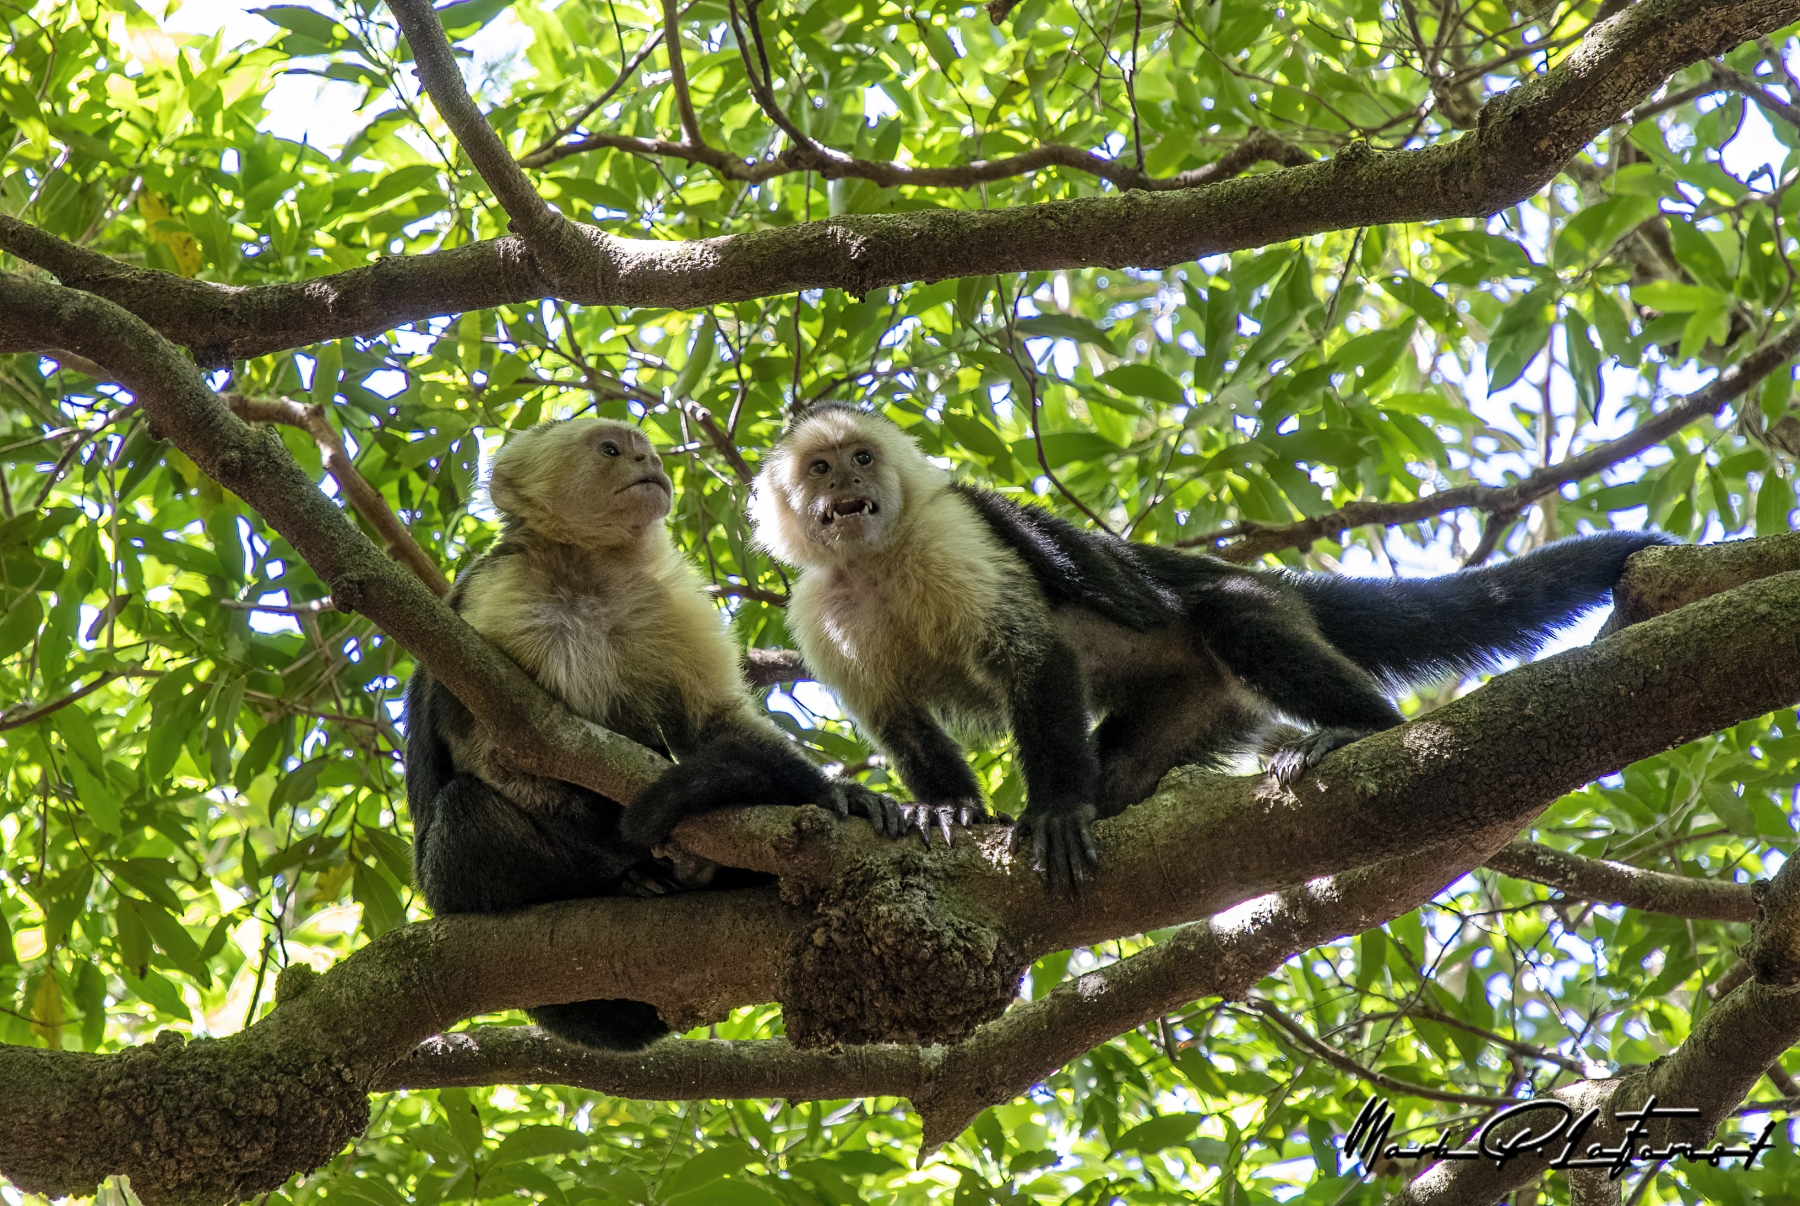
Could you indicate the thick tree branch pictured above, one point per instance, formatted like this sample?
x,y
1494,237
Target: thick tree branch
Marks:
x,y
1522,140
1257,147
1249,541
1429,800
536,732
1620,883
357,491
1664,579
951,1085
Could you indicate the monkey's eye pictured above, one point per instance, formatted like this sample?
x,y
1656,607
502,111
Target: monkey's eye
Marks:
x,y
610,448
819,468
863,458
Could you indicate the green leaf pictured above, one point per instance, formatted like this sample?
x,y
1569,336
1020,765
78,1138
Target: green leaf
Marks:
x,y
98,801
1672,298
170,937
160,992
1594,230
463,1119
1518,337
466,16
23,619
307,22
705,1168
1584,361
1159,1133
1144,381
1065,326
727,1192
381,908
1774,505
532,1142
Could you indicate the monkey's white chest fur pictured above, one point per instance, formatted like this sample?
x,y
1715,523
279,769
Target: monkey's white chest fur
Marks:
x,y
913,623
631,645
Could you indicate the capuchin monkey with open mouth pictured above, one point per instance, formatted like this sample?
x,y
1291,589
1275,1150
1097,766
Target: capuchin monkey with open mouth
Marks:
x,y
922,603
585,590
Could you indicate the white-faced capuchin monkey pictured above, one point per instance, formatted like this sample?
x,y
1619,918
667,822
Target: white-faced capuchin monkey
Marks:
x,y
585,590
922,603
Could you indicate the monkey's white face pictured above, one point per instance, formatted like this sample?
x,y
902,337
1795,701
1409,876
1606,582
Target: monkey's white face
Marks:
x,y
583,481
834,487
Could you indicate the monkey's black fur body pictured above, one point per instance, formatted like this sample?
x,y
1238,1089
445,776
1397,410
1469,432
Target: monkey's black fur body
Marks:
x,y
475,851
1316,649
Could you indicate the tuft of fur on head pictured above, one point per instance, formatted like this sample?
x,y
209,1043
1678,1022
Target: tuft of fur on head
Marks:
x,y
840,482
589,482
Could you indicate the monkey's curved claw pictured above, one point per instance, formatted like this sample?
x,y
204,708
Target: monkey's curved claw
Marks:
x,y
1061,846
966,813
1295,758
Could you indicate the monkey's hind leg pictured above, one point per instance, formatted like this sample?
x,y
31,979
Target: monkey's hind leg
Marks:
x,y
481,853
1171,725
1275,649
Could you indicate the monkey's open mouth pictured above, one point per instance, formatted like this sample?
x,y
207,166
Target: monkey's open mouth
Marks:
x,y
848,506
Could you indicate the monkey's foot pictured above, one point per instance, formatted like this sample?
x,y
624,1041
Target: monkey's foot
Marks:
x,y
961,812
1061,845
652,878
1294,758
851,799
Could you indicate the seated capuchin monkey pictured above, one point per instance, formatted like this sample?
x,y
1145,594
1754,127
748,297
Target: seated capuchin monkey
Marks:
x,y
922,603
585,590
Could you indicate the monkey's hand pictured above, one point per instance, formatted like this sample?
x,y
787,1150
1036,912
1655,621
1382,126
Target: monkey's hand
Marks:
x,y
1301,752
848,798
965,812
1061,843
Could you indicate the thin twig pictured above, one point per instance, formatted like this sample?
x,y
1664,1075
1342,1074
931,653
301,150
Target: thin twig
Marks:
x,y
1342,1062
1254,539
731,590
587,110
684,103
9,721
364,498
709,426
80,442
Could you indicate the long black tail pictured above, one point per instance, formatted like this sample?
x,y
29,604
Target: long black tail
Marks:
x,y
1410,631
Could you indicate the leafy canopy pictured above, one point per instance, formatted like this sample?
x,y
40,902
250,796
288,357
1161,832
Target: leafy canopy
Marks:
x,y
219,794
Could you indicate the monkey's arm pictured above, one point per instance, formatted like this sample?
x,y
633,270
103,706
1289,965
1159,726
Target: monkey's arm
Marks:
x,y
1050,722
736,766
932,766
